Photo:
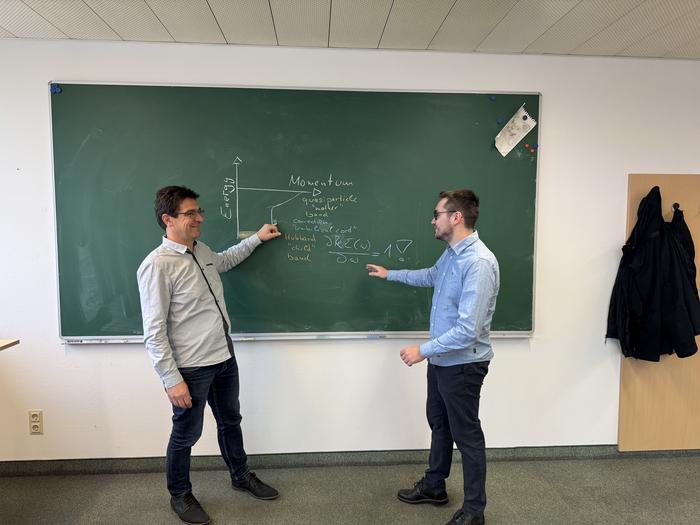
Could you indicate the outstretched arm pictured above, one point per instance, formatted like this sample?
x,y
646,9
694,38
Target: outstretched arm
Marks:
x,y
238,253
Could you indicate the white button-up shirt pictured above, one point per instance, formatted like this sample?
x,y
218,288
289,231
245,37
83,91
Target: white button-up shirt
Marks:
x,y
182,324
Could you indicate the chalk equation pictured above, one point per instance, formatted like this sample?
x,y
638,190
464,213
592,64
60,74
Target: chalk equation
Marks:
x,y
313,230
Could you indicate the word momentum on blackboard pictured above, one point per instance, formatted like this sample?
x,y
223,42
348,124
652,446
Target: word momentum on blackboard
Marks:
x,y
314,229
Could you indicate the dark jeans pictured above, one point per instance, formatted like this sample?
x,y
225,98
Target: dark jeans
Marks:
x,y
217,384
453,415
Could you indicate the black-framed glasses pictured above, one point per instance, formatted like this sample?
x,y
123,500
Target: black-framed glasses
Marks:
x,y
191,214
437,213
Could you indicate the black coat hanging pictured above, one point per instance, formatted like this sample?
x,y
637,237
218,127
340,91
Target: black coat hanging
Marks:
x,y
654,308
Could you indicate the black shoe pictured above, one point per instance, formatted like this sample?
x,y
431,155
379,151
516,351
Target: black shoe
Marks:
x,y
188,509
421,494
256,488
460,518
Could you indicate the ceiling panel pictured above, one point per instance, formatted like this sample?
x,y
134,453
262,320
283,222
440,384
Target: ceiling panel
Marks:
x,y
669,37
688,50
636,25
18,19
74,18
644,28
245,21
188,20
524,24
131,19
358,23
301,22
469,22
581,23
413,24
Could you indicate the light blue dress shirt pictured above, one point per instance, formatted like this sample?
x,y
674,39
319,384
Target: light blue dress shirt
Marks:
x,y
466,281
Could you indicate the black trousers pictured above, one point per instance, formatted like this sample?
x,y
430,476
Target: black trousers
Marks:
x,y
453,415
218,386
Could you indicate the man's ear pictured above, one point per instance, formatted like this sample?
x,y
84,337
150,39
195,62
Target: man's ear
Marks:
x,y
167,219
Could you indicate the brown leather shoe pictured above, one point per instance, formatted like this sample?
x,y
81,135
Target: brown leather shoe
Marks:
x,y
421,494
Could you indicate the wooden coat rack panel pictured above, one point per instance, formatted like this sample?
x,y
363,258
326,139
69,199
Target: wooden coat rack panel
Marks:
x,y
660,402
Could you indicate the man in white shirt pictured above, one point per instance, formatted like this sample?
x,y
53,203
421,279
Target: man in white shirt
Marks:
x,y
186,332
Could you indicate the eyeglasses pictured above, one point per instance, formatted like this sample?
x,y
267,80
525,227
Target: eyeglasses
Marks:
x,y
437,213
191,214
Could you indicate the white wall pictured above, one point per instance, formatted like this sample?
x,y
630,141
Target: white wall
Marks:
x,y
600,120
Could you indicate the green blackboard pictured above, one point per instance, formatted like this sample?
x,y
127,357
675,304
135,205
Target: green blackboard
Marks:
x,y
350,177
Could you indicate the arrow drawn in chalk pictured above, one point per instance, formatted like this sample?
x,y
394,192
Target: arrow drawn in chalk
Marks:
x,y
315,192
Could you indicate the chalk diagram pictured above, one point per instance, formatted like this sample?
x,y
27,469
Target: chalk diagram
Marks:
x,y
346,248
231,186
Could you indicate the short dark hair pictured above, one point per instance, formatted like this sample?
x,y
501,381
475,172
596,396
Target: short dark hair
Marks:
x,y
464,201
168,201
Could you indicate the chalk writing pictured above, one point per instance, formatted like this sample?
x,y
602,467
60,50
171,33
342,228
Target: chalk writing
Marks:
x,y
310,207
228,189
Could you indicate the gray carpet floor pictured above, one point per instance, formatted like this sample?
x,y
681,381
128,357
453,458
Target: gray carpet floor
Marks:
x,y
625,491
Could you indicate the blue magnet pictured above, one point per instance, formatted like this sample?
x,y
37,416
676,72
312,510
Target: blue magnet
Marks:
x,y
55,89
499,121
492,97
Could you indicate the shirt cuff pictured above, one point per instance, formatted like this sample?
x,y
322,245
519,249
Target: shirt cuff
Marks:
x,y
172,379
427,349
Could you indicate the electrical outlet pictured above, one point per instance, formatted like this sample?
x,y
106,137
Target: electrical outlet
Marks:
x,y
36,421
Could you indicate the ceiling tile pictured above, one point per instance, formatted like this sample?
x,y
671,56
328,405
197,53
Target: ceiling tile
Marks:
x,y
245,21
358,23
131,19
669,37
301,23
469,22
646,18
653,28
581,23
413,24
74,18
188,20
524,24
22,21
688,50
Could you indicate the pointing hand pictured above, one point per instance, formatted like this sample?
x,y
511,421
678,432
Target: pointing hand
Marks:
x,y
268,231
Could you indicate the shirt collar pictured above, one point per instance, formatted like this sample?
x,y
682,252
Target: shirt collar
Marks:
x,y
465,243
179,248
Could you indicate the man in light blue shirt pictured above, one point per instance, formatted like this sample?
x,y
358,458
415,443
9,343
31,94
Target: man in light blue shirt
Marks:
x,y
465,280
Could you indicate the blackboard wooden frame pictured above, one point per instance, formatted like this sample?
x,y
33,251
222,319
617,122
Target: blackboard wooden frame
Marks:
x,y
370,334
